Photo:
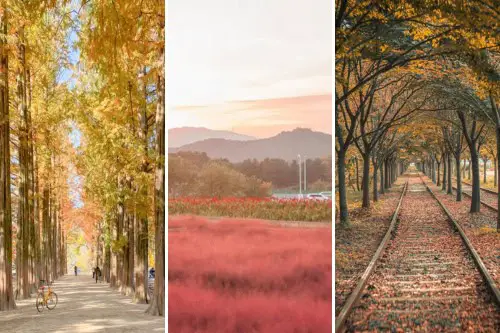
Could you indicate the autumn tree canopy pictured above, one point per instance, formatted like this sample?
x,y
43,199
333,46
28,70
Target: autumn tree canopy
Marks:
x,y
82,130
431,67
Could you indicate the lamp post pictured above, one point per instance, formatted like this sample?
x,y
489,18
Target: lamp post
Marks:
x,y
305,174
300,175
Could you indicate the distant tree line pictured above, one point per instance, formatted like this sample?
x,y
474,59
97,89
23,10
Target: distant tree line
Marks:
x,y
194,173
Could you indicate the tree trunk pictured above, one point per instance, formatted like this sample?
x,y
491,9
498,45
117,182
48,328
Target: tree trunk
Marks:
x,y
449,183
141,217
389,174
45,235
366,181
497,133
375,184
386,174
98,256
157,306
34,239
393,172
119,253
113,267
382,178
445,167
357,174
53,243
125,257
60,247
438,183
495,174
107,256
470,169
37,220
433,172
344,214
130,253
459,180
485,161
23,220
141,256
6,288
65,254
476,196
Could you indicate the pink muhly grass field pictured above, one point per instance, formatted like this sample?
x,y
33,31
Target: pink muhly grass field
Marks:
x,y
248,276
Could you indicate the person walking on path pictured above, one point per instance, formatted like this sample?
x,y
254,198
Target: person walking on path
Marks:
x,y
76,271
97,273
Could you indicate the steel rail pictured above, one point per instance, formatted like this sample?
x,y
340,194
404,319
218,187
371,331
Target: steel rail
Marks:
x,y
351,301
477,259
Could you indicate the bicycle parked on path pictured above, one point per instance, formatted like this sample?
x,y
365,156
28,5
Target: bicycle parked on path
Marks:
x,y
45,298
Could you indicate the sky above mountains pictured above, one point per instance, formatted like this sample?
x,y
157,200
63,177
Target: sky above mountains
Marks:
x,y
254,67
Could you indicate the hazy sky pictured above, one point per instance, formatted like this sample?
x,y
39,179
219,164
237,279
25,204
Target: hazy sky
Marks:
x,y
253,66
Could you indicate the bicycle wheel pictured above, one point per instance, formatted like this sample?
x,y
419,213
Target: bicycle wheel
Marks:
x,y
51,301
39,302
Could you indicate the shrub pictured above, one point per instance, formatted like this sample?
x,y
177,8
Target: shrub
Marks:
x,y
262,208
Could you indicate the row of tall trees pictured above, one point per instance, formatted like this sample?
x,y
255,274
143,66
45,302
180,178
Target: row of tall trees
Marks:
x,y
408,52
121,115
465,131
34,148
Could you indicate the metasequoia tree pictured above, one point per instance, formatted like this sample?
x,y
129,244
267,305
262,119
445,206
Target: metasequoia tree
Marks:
x,y
30,49
123,105
6,290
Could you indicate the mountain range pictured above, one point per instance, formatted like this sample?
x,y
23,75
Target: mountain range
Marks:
x,y
286,145
178,137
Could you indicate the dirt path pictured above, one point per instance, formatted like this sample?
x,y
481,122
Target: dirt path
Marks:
x,y
83,306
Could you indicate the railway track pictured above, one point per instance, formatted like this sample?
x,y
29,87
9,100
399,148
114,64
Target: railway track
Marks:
x,y
427,278
488,197
482,188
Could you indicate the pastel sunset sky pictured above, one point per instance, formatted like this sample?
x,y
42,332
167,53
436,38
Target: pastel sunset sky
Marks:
x,y
256,67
